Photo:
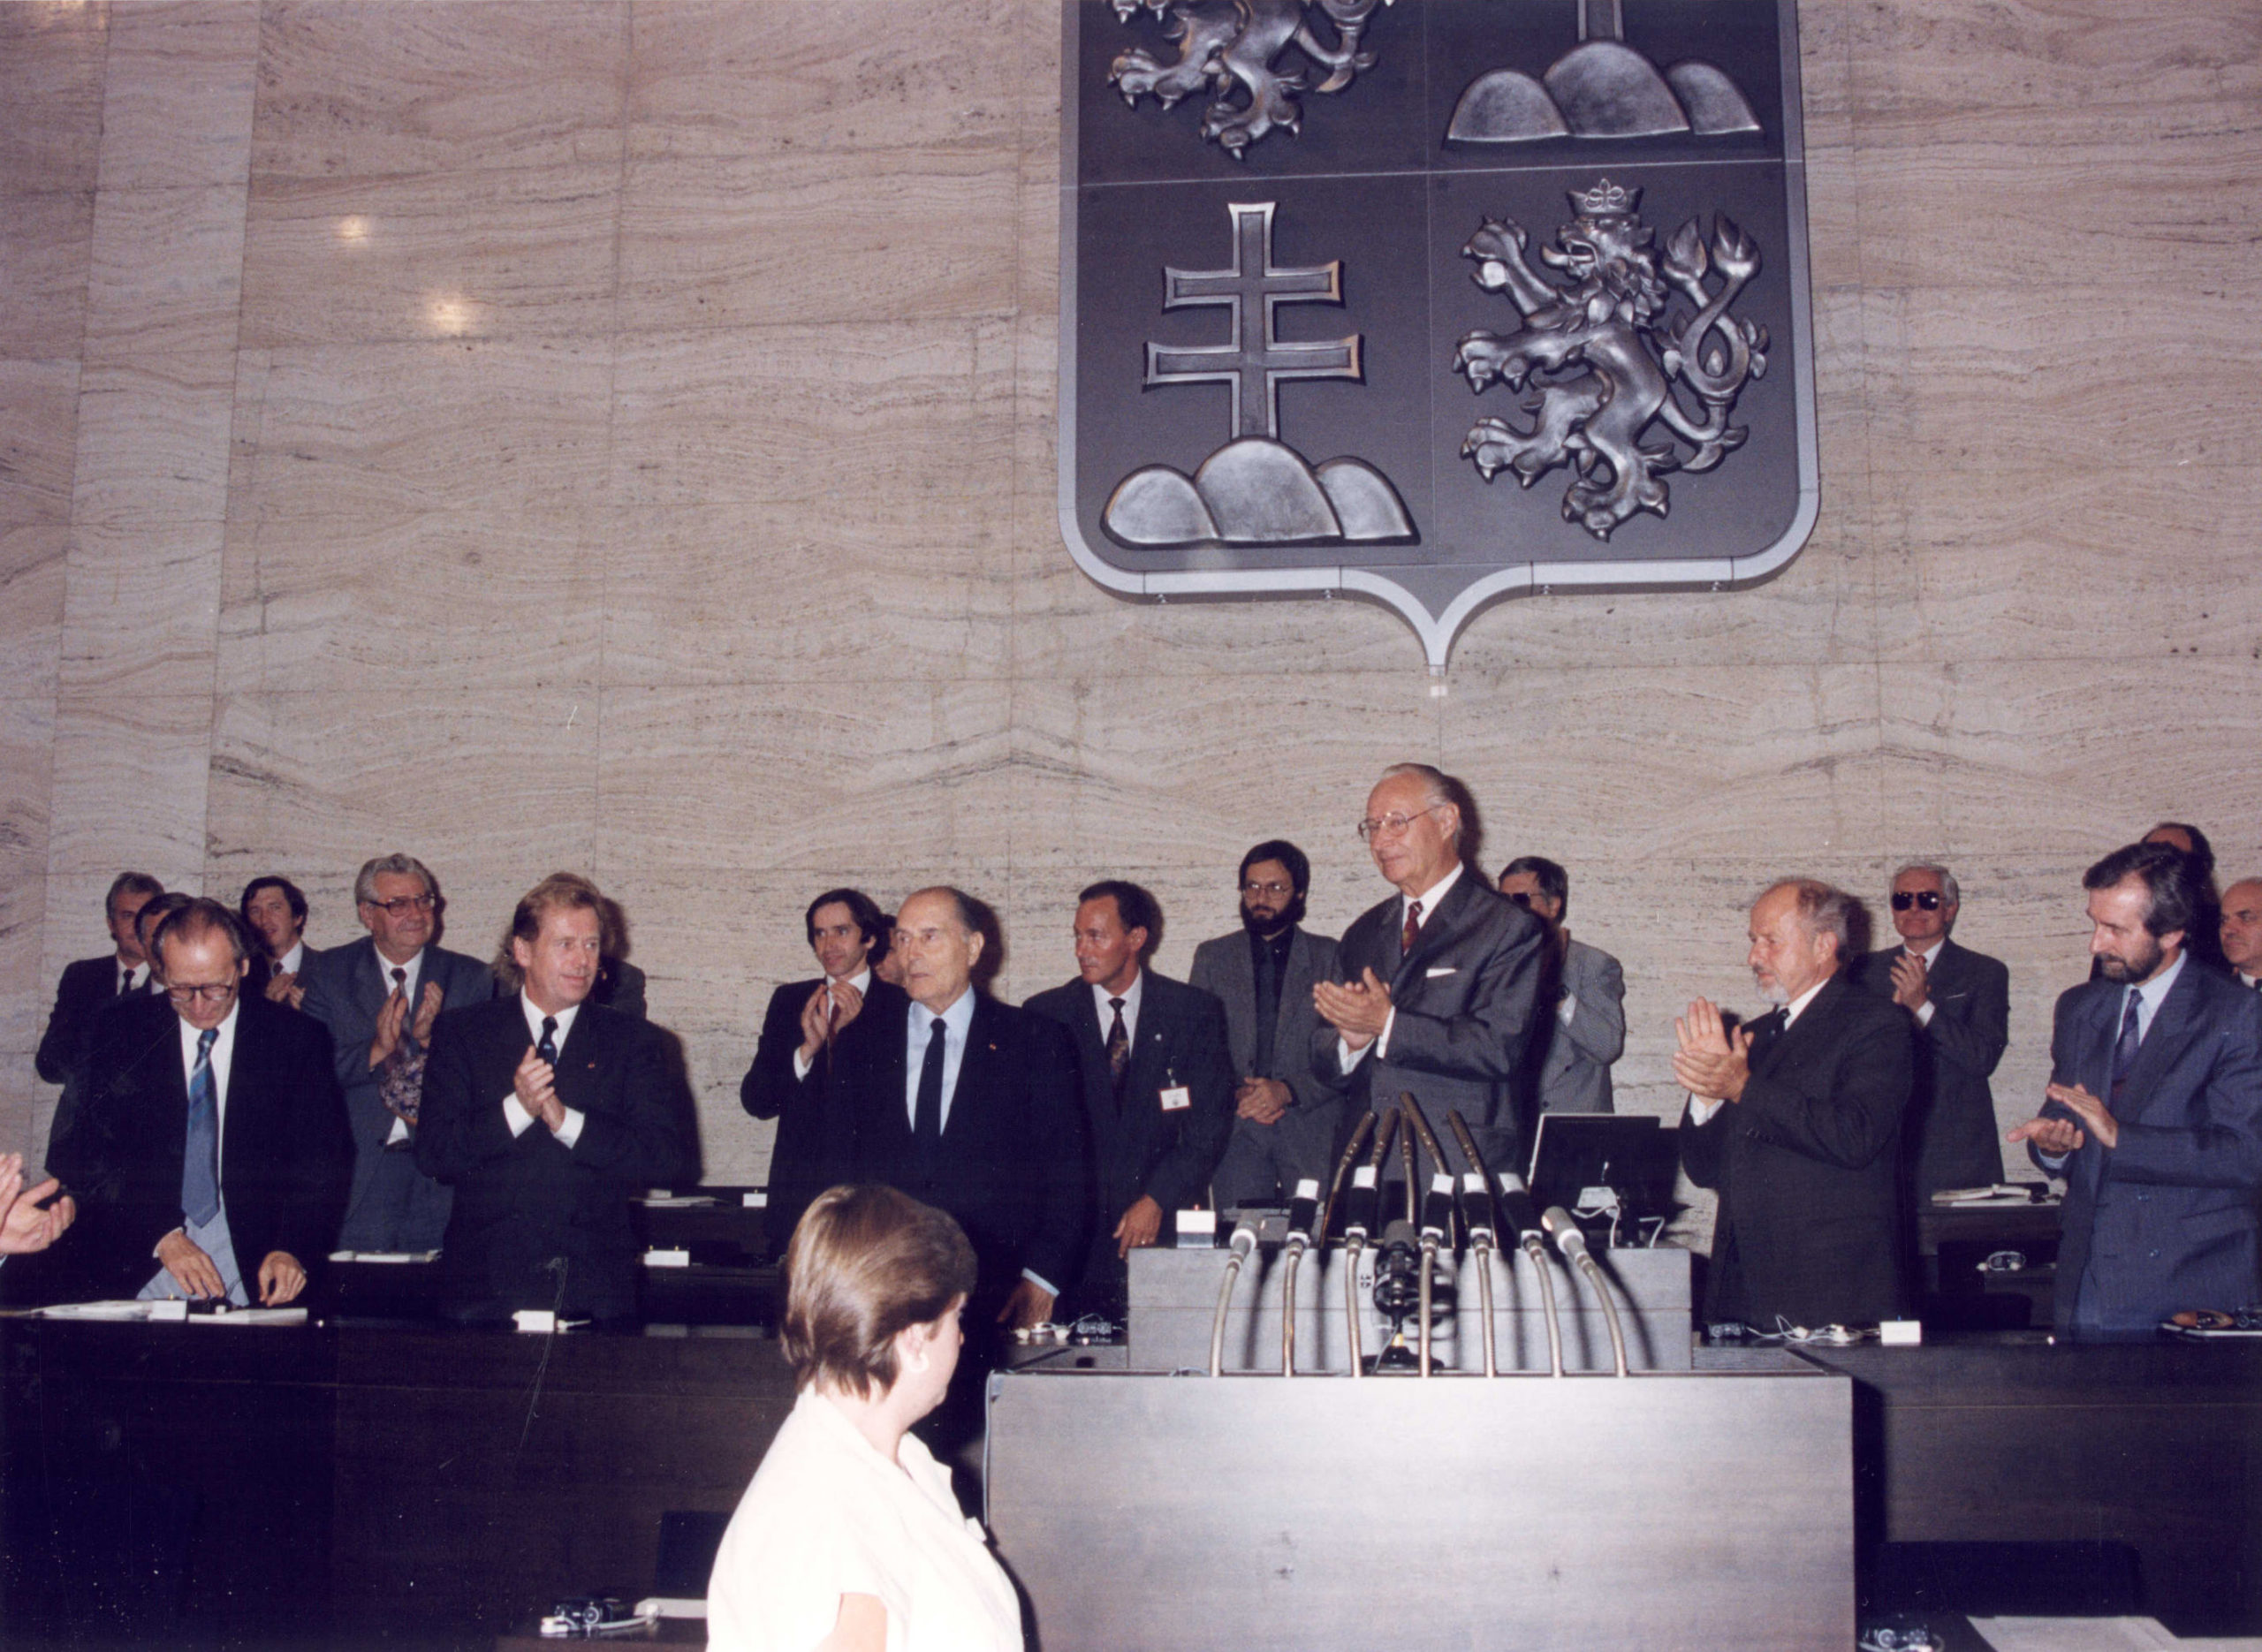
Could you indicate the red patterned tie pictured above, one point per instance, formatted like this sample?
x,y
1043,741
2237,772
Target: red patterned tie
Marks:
x,y
1413,928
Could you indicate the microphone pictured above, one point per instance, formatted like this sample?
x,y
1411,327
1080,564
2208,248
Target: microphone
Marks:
x,y
1566,1235
1238,1249
1243,1241
1437,1208
1518,1213
1303,1210
1361,1205
1476,1210
1572,1244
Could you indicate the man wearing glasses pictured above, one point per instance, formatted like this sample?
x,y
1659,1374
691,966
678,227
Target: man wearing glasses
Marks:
x,y
1587,987
210,1155
1286,1113
1433,988
379,997
1960,1001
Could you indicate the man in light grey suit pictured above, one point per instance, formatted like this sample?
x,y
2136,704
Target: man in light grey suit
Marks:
x,y
379,997
1433,990
1588,1031
1286,1114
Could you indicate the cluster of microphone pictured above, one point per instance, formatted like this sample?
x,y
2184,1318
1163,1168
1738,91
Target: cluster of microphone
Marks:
x,y
1481,1206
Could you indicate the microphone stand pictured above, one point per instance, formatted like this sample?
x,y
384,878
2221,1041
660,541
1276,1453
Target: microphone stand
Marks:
x,y
1244,1241
1480,1216
1437,1207
1572,1244
1361,1211
1515,1205
1302,1210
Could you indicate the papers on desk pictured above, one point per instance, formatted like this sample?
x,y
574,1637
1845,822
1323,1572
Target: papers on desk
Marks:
x,y
385,1255
2000,1193
678,1201
174,1312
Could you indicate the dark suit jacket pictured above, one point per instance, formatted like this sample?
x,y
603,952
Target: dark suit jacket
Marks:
x,y
1013,1166
283,1150
1141,1151
620,986
815,1144
1465,999
345,988
2166,1220
263,969
87,987
523,1201
1806,1170
1223,968
1949,1139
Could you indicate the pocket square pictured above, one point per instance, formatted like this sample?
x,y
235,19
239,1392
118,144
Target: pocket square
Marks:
x,y
1435,970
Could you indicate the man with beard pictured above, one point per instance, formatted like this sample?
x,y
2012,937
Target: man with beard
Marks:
x,y
1287,1115
2154,1116
1795,1121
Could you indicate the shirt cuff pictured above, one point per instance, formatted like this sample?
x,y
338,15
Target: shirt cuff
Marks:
x,y
1924,1013
1568,1008
2055,1163
570,1132
1041,1283
516,1116
1347,1057
1382,1039
1701,1111
803,1065
399,1131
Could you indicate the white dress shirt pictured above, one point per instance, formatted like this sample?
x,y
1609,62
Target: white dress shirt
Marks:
x,y
1700,1110
957,1021
1430,898
1130,995
514,1114
223,1054
1931,957
862,980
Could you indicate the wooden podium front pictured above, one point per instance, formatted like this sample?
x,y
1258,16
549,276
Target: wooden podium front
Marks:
x,y
1666,1509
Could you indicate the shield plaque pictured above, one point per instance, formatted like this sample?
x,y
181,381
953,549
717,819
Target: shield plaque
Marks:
x,y
1433,302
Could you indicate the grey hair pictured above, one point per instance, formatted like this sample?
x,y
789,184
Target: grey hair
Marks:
x,y
1823,910
365,881
1947,878
1438,787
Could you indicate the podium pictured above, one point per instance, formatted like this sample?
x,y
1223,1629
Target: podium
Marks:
x,y
1173,1294
1693,1509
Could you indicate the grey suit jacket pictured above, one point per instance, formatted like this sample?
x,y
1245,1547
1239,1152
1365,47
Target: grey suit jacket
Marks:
x,y
1223,968
2166,1219
1464,1000
1574,1072
345,988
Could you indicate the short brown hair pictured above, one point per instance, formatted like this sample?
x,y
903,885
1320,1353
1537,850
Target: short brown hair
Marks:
x,y
560,892
867,1263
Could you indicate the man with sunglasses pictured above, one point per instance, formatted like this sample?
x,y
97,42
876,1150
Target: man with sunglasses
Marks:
x,y
379,997
1961,1002
1433,988
211,1157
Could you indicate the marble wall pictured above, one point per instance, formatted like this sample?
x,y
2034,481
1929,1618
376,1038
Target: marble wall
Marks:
x,y
618,434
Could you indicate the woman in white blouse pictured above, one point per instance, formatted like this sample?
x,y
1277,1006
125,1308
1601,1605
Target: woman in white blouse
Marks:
x,y
850,1539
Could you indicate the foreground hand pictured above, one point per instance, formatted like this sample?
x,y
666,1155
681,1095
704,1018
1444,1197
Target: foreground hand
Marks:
x,y
534,1083
278,988
427,1010
1030,1305
192,1269
1261,1100
1911,982
1711,1064
2055,1138
1359,1011
392,1015
1139,1226
24,1226
2089,1110
280,1278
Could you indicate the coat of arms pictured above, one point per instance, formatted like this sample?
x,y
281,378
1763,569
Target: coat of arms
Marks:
x,y
1333,328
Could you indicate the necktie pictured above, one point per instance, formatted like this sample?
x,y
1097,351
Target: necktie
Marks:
x,y
1119,1048
2124,1049
399,979
927,1119
125,982
1407,936
199,1166
548,1048
1268,1008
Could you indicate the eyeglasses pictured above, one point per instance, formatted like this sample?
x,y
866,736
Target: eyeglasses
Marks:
x,y
1927,898
1372,827
401,907
1252,887
211,992
1522,897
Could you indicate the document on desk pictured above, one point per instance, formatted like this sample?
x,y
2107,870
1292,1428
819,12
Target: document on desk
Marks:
x,y
2075,1635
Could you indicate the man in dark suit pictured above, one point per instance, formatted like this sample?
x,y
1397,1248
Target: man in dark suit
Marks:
x,y
210,1155
786,1079
274,914
973,1106
1158,1087
546,1113
1961,1002
1287,1114
380,998
1794,1124
2154,1111
1587,1033
91,986
1435,986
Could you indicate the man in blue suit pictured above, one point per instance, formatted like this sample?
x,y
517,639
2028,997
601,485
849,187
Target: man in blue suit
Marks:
x,y
1157,1084
2154,1116
379,997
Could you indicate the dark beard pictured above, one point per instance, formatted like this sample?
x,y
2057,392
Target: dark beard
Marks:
x,y
2131,971
1291,915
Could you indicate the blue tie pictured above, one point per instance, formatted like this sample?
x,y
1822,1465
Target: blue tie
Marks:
x,y
200,1167
2124,1049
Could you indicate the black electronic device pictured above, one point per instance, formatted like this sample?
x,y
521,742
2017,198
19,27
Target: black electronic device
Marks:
x,y
1631,1156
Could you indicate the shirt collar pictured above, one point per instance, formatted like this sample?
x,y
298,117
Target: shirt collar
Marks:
x,y
2153,992
1432,896
294,960
1930,955
1797,1006
534,1018
862,980
190,1034
415,965
956,1020
1130,995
